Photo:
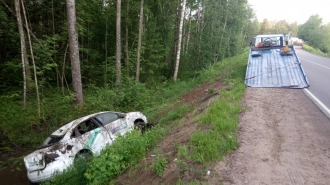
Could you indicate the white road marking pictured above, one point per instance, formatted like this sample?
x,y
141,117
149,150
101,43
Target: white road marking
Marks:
x,y
315,63
323,107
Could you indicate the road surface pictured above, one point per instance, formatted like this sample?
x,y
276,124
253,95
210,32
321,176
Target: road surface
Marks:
x,y
317,70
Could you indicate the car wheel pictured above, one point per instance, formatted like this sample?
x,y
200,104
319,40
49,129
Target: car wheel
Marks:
x,y
140,125
83,156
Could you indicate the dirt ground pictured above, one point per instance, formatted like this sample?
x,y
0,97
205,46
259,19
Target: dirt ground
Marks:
x,y
283,139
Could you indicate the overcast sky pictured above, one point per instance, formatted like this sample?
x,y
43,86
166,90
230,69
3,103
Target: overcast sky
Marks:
x,y
291,10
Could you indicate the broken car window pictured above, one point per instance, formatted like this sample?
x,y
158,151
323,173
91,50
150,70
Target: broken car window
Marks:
x,y
85,127
107,118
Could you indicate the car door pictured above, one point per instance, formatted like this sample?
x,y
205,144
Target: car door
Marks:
x,y
90,135
114,123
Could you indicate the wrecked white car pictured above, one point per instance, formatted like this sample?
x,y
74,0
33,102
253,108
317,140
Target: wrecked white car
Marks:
x,y
84,136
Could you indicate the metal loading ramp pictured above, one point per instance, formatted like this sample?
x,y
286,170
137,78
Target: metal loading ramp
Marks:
x,y
270,68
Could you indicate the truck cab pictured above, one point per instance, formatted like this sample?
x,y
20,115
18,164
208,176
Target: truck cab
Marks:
x,y
266,41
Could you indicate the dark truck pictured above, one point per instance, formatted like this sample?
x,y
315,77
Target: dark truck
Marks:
x,y
273,62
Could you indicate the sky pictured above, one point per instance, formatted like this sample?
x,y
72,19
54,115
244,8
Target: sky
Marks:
x,y
291,10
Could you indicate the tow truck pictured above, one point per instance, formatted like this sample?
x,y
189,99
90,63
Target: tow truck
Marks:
x,y
273,62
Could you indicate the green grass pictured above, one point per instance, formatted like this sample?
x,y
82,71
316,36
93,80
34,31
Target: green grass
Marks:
x,y
204,147
159,165
314,50
222,116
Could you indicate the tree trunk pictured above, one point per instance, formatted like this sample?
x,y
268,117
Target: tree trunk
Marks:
x,y
223,31
106,52
63,71
32,56
25,63
177,61
188,36
126,40
74,52
139,43
118,45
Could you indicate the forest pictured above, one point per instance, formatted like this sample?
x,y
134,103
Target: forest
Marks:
x,y
126,51
120,57
61,60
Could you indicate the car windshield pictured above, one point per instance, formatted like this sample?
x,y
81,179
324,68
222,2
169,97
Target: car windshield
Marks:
x,y
50,141
106,118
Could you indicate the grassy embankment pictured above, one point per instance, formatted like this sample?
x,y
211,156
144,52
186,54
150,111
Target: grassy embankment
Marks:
x,y
24,128
314,51
205,146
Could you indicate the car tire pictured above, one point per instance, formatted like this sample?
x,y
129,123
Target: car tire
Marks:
x,y
83,155
139,125
142,127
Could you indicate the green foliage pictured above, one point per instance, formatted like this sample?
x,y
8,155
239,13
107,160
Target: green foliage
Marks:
x,y
14,163
73,175
222,116
278,27
216,29
124,152
159,165
314,51
227,26
315,33
220,31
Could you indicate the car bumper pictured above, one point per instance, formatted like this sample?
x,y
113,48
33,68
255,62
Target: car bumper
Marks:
x,y
50,170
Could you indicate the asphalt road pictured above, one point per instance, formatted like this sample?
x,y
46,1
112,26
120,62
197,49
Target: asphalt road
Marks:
x,y
317,70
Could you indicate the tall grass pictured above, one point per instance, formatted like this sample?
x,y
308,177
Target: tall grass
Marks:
x,y
222,116
314,50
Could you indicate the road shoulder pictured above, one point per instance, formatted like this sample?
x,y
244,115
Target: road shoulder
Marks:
x,y
284,139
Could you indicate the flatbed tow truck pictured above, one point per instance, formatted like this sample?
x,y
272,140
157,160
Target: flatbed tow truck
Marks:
x,y
273,62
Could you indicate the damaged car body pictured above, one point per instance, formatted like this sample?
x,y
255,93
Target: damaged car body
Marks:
x,y
84,136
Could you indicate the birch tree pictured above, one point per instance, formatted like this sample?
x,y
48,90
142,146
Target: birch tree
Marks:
x,y
177,60
25,62
32,56
118,45
74,52
139,43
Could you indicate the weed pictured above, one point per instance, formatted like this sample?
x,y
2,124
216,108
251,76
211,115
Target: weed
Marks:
x,y
183,152
159,165
182,165
211,91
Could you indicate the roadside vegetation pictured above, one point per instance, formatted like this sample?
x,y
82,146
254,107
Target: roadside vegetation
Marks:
x,y
315,51
316,34
205,146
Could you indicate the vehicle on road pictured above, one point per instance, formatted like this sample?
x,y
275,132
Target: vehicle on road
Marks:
x,y
273,62
80,138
